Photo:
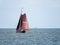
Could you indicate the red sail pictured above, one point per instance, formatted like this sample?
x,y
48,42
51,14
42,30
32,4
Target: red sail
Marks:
x,y
23,23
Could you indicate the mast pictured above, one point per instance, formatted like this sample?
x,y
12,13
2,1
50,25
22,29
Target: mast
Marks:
x,y
21,10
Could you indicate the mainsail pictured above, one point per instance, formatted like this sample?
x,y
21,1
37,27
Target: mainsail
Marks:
x,y
23,23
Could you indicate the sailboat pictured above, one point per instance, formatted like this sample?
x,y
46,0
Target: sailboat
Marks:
x,y
22,24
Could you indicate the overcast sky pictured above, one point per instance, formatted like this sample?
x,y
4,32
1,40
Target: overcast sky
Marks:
x,y
40,13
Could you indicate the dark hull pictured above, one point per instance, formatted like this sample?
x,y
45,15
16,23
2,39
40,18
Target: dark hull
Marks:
x,y
19,31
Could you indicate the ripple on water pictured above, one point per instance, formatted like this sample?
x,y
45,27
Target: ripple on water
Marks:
x,y
31,37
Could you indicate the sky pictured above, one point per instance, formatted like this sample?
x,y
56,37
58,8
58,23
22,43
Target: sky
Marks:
x,y
40,13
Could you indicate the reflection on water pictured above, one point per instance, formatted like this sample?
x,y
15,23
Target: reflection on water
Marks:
x,y
31,37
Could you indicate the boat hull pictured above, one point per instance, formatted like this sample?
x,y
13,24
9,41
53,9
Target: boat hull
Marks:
x,y
20,31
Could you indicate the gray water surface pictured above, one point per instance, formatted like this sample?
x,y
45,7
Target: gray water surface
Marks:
x,y
31,37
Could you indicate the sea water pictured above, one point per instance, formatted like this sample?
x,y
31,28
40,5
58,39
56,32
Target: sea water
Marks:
x,y
31,37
